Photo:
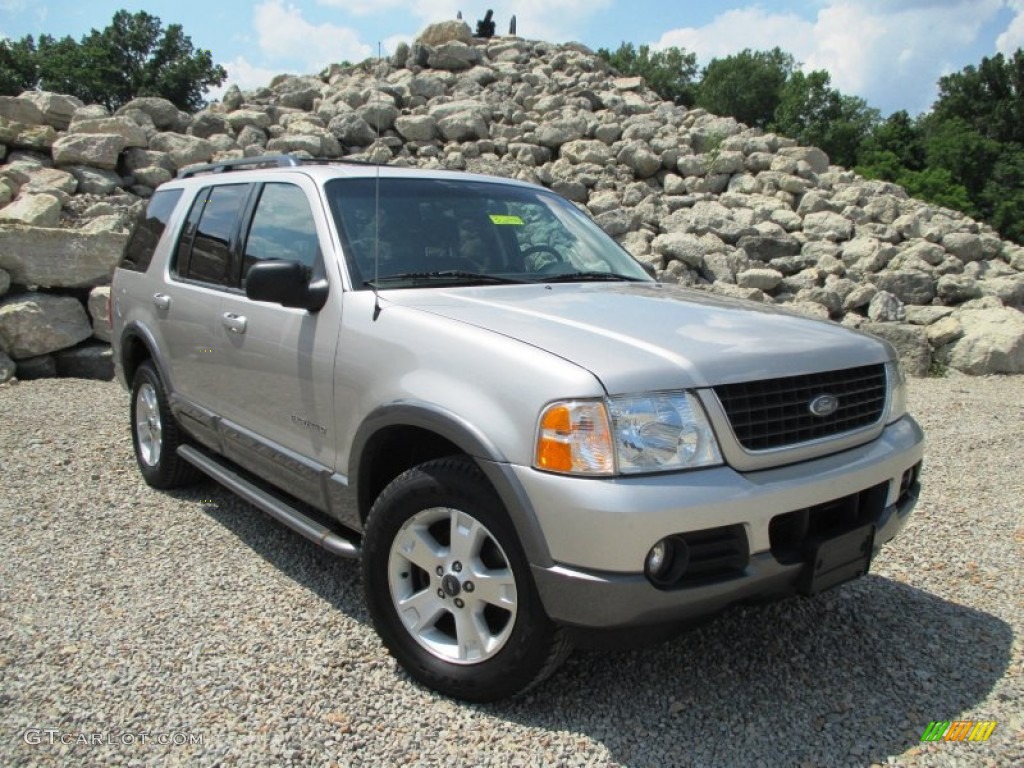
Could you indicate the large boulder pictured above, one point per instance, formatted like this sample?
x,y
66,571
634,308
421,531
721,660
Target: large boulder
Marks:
x,y
162,112
88,361
992,341
183,150
33,324
20,110
56,109
56,258
100,150
130,131
453,56
446,32
40,210
910,341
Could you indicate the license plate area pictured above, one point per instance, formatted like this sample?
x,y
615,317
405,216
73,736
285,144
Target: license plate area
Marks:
x,y
836,560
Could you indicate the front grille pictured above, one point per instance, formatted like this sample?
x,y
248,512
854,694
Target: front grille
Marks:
x,y
774,413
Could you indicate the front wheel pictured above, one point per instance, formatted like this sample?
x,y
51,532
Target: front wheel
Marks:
x,y
449,588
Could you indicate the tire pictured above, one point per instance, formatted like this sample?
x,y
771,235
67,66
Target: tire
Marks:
x,y
156,435
472,625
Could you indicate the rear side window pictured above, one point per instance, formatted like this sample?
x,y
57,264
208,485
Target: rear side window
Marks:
x,y
147,234
282,228
209,253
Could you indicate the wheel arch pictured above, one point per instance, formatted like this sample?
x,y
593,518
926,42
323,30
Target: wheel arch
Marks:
x,y
136,346
398,436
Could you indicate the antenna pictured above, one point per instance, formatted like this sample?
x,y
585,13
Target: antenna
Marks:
x,y
376,195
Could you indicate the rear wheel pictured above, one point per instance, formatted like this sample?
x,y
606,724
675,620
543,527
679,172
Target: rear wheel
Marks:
x,y
155,434
449,588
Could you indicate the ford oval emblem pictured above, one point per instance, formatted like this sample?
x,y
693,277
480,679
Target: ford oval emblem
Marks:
x,y
824,405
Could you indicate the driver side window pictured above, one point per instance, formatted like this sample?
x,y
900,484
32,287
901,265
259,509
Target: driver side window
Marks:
x,y
283,228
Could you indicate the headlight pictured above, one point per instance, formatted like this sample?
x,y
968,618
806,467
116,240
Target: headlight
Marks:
x,y
660,431
897,391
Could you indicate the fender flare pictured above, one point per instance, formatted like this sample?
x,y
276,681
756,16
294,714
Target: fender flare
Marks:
x,y
473,442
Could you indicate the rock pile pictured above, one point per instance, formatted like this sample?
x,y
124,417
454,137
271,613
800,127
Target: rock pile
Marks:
x,y
707,201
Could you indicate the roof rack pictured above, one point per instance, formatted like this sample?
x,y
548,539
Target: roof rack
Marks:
x,y
264,161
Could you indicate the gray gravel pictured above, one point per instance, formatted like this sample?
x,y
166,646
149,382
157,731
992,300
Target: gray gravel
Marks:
x,y
129,615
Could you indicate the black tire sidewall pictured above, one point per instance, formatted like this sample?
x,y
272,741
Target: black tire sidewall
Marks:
x,y
458,484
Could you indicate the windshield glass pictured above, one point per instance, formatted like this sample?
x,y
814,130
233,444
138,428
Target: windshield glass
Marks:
x,y
443,231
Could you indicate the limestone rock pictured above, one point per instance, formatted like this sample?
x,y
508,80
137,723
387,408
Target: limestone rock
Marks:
x,y
88,361
162,112
55,258
40,210
886,308
762,279
33,324
99,150
446,32
5,281
453,56
7,368
97,306
828,226
51,180
956,289
419,128
944,331
19,110
909,287
910,341
55,109
183,150
40,367
133,135
992,342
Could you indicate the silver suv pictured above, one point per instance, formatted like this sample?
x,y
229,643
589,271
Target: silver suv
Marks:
x,y
529,441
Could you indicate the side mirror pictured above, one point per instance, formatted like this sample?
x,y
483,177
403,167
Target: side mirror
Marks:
x,y
285,283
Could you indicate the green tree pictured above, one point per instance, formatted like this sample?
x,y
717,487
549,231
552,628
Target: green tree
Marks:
x,y
18,68
989,97
898,137
669,72
747,85
814,113
133,56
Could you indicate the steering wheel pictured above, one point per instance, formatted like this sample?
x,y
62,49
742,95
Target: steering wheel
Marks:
x,y
543,248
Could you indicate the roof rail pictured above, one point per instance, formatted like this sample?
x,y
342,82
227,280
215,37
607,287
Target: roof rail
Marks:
x,y
263,161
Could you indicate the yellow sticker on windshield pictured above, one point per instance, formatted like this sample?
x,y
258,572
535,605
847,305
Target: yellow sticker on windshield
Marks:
x,y
505,220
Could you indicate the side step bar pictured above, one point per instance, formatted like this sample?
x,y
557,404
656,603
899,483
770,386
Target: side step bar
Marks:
x,y
270,504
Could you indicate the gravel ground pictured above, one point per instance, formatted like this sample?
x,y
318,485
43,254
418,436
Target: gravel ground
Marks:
x,y
130,617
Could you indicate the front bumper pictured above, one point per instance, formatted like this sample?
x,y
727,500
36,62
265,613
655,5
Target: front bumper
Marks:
x,y
599,532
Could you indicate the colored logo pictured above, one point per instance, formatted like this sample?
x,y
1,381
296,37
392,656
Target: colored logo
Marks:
x,y
958,730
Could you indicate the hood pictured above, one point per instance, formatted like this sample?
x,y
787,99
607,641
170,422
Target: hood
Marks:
x,y
639,337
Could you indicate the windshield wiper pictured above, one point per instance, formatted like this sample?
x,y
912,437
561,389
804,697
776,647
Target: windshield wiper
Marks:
x,y
572,277
456,275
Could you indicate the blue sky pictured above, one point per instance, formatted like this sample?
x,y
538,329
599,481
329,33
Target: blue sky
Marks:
x,y
890,52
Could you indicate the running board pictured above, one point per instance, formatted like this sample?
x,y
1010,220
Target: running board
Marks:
x,y
269,503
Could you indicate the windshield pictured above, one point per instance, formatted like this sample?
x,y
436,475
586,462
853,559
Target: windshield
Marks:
x,y
414,232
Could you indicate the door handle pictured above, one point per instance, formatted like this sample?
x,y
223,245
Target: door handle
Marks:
x,y
234,323
161,301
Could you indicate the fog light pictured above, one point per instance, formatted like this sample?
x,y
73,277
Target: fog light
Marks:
x,y
657,559
666,562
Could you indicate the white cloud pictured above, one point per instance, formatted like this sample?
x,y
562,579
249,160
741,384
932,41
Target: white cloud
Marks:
x,y
283,33
890,53
1012,37
243,74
